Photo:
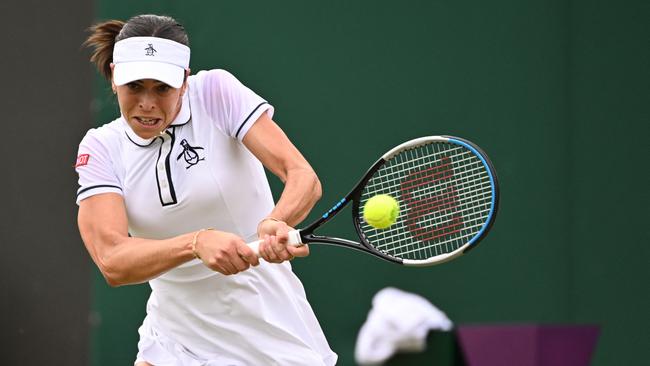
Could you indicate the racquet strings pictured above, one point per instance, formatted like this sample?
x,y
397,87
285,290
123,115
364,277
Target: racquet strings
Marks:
x,y
445,197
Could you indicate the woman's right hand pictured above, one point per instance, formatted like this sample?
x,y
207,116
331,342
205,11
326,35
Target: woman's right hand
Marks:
x,y
224,252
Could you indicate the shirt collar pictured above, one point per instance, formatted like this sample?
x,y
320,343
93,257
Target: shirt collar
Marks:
x,y
182,118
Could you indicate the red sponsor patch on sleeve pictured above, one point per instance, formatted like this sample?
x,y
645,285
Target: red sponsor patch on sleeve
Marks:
x,y
82,160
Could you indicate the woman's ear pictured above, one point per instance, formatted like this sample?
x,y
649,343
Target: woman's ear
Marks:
x,y
184,87
113,86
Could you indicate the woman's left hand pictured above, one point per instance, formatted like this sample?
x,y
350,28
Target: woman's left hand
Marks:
x,y
274,236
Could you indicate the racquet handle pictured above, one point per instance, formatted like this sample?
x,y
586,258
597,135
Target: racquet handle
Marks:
x,y
294,240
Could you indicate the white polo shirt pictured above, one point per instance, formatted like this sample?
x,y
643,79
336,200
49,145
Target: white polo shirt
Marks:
x,y
198,174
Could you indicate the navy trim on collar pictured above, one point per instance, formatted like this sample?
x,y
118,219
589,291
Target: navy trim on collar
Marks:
x,y
141,139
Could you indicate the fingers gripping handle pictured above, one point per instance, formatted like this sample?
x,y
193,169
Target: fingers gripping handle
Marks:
x,y
294,240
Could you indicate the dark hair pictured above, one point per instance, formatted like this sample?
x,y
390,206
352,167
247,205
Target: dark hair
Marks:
x,y
104,35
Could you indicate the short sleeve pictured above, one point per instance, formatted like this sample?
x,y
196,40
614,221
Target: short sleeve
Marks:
x,y
95,169
232,105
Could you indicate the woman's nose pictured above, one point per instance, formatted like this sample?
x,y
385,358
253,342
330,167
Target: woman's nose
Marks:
x,y
147,101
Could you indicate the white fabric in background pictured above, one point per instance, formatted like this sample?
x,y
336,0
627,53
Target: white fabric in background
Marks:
x,y
399,321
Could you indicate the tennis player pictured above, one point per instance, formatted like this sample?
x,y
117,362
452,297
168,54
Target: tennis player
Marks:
x,y
172,190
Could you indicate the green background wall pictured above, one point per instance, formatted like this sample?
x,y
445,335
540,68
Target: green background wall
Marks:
x,y
556,92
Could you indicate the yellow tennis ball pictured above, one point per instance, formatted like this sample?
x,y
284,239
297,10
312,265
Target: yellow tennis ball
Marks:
x,y
381,211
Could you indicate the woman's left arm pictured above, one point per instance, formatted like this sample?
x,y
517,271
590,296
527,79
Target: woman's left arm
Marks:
x,y
301,186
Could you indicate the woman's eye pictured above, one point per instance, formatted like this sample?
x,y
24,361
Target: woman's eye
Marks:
x,y
163,88
133,86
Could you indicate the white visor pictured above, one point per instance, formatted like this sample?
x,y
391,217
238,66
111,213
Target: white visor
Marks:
x,y
138,58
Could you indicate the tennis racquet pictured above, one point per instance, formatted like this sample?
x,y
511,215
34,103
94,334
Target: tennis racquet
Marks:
x,y
448,196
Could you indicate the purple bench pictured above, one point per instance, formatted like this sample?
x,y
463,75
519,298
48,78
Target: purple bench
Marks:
x,y
527,344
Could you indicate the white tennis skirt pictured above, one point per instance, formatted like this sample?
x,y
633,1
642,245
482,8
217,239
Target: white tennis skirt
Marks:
x,y
159,350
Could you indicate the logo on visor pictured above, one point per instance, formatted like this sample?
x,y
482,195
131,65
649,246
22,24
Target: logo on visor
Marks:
x,y
190,154
150,50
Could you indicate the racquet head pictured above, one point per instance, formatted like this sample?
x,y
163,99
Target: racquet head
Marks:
x,y
448,195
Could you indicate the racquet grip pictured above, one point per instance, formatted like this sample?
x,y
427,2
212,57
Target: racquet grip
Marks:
x,y
294,240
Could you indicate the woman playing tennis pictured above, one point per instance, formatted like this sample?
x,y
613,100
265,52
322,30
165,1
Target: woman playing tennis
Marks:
x,y
172,190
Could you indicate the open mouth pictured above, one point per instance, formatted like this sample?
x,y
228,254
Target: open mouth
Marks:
x,y
148,122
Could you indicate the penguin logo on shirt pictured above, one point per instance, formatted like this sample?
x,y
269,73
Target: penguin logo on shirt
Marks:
x,y
190,154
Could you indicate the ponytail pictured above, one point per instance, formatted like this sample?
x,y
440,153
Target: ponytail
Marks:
x,y
102,40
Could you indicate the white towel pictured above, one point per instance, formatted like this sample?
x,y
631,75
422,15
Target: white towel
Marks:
x,y
399,321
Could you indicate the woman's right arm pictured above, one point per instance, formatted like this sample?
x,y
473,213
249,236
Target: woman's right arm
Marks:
x,y
125,260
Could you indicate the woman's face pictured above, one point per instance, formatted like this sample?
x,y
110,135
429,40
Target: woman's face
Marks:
x,y
149,106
